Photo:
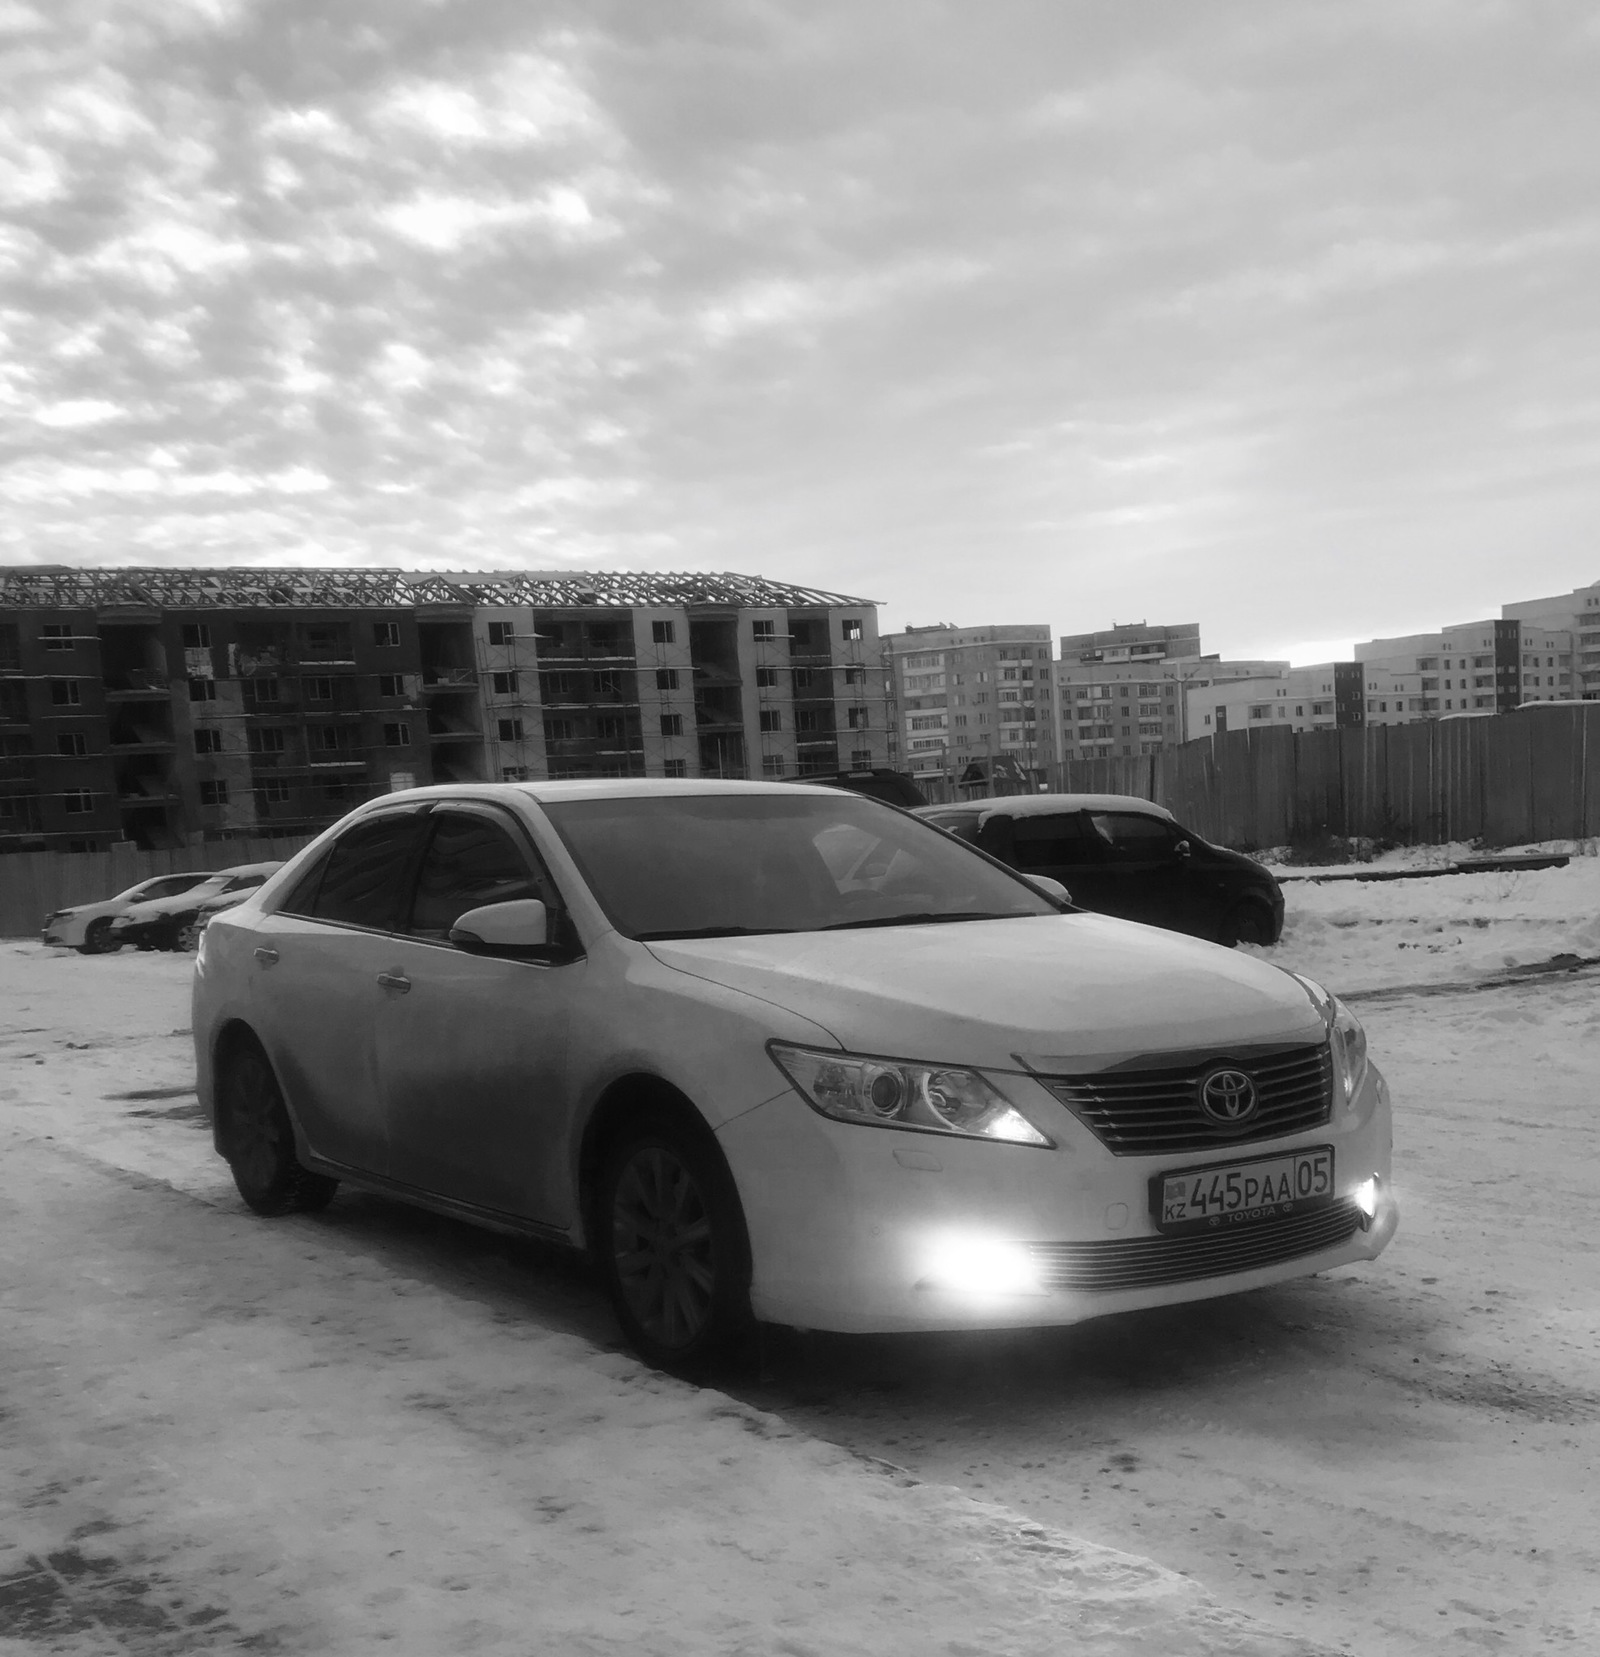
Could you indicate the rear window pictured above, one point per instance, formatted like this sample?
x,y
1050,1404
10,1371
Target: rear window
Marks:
x,y
360,881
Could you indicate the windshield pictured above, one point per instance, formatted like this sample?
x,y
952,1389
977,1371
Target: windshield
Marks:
x,y
721,865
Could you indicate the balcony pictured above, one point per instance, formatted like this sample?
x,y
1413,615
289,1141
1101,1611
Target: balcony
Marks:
x,y
449,679
136,684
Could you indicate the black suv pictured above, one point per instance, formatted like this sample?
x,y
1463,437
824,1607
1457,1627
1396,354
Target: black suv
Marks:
x,y
1121,855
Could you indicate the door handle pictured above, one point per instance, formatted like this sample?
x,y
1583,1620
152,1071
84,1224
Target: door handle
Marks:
x,y
266,955
394,981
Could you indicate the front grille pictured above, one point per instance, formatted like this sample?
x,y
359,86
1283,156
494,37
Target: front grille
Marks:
x,y
1145,1262
1152,1112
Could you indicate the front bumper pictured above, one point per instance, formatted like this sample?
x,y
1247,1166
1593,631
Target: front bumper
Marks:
x,y
857,1229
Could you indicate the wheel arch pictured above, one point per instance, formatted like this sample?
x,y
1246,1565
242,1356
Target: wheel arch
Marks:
x,y
625,1101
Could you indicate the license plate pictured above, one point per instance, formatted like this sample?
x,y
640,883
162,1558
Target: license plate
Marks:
x,y
1225,1194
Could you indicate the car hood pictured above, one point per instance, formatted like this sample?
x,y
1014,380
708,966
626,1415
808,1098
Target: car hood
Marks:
x,y
1051,992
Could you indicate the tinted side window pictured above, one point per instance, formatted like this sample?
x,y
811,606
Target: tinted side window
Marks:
x,y
1056,841
362,879
1134,837
470,860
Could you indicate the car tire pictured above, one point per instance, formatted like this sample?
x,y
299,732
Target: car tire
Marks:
x,y
98,939
672,1246
188,938
258,1140
1246,923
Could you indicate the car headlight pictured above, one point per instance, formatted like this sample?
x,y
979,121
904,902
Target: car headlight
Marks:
x,y
1346,1039
894,1093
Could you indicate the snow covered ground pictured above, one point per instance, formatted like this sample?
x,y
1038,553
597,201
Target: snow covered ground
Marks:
x,y
1360,935
375,1429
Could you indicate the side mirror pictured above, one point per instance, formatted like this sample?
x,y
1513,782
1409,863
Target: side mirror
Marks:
x,y
514,931
1182,850
1050,888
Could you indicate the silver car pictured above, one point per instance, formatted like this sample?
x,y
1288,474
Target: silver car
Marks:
x,y
781,1053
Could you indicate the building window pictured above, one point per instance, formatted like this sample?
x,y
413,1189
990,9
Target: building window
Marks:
x,y
500,633
57,636
672,724
268,741
325,737
861,758
504,684
764,629
859,719
196,636
663,632
560,730
667,678
608,682
275,789
612,730
262,690
858,676
213,792
77,801
75,743
804,678
208,742
514,773
675,768
558,687
319,690
202,690
773,765
391,684
766,678
850,629
510,730
771,719
64,693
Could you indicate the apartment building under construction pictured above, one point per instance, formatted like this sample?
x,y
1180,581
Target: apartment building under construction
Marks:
x,y
162,706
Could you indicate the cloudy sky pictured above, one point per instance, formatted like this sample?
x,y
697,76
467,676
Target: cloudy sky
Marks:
x,y
1277,316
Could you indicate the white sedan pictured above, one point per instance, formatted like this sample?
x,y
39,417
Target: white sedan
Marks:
x,y
781,1053
86,927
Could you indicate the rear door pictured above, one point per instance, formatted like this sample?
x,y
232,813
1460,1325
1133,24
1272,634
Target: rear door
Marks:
x,y
472,1051
315,993
1064,846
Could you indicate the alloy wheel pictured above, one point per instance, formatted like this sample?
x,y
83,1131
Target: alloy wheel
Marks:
x,y
663,1248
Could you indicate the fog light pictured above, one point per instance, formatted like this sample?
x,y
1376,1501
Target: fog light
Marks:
x,y
1365,1197
982,1266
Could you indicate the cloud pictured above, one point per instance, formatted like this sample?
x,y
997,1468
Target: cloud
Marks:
x,y
1010,312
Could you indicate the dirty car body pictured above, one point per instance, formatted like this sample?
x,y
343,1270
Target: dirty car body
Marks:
x,y
780,1052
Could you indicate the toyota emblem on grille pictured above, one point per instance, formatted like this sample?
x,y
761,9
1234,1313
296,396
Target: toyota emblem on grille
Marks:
x,y
1228,1097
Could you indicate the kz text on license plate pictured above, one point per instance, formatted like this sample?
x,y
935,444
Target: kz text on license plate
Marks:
x,y
1240,1193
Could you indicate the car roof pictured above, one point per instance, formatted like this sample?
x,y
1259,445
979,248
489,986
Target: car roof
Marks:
x,y
1040,805
245,869
601,788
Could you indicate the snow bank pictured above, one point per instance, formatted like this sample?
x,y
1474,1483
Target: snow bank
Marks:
x,y
1357,935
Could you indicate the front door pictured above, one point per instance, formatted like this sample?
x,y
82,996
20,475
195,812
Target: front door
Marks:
x,y
472,1050
1146,878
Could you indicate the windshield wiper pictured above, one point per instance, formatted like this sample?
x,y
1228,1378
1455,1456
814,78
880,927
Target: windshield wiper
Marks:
x,y
712,932
929,917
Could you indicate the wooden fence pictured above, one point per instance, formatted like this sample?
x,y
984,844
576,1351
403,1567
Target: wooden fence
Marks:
x,y
34,883
1506,780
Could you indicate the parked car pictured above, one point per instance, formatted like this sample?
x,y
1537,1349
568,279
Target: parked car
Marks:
x,y
782,1053
1121,855
164,923
86,927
